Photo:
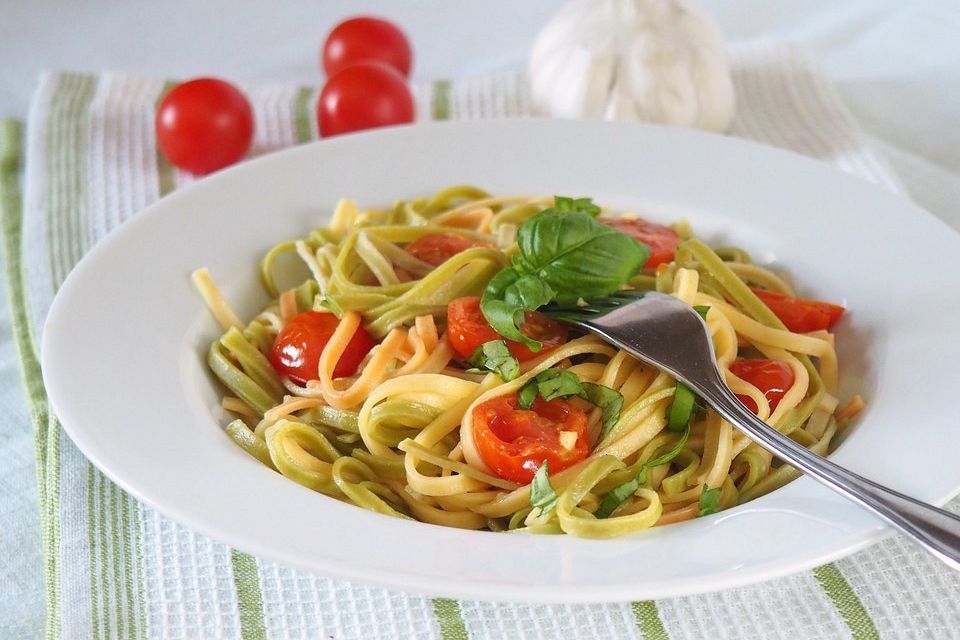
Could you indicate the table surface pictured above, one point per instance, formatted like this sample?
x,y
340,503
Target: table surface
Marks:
x,y
896,65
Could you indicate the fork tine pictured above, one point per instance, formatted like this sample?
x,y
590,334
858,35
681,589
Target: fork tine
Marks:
x,y
591,308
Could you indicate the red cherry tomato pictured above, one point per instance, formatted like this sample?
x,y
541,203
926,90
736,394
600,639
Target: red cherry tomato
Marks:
x,y
514,442
363,96
297,348
204,125
467,329
366,39
772,377
437,248
801,316
662,240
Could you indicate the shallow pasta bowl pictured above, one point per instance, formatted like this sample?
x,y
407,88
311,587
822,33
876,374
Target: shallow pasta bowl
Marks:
x,y
158,434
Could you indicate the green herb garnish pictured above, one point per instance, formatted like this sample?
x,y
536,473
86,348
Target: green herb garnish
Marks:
x,y
709,501
564,254
702,309
618,495
609,401
560,383
542,493
681,409
495,356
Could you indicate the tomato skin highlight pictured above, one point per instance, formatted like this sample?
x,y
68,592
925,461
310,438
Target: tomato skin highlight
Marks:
x,y
514,442
364,96
772,377
297,348
366,39
437,248
467,329
203,125
798,315
662,240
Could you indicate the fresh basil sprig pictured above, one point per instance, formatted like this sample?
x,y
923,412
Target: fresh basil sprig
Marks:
x,y
709,501
559,383
542,493
619,494
564,254
495,356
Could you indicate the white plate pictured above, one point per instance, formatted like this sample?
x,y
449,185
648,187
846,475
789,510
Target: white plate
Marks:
x,y
125,343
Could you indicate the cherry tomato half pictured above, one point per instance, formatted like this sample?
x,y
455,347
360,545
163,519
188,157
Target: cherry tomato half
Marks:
x,y
366,39
801,316
662,240
297,348
437,248
772,377
514,442
363,96
204,125
467,329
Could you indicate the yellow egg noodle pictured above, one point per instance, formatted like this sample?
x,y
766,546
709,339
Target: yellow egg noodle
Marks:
x,y
398,437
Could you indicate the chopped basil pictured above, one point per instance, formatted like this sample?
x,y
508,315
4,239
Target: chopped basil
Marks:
x,y
542,493
702,309
564,254
681,409
495,356
618,495
709,501
560,383
329,304
549,384
609,401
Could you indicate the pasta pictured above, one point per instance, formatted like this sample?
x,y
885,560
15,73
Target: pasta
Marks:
x,y
410,425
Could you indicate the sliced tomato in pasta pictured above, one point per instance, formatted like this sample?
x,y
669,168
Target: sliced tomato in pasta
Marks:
x,y
661,239
467,329
437,248
801,316
514,442
772,377
297,347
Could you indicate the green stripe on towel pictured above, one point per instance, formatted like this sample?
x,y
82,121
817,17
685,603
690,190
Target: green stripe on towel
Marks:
x,y
450,619
249,599
648,621
847,602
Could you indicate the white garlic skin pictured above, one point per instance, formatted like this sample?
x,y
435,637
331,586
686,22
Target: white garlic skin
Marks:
x,y
645,60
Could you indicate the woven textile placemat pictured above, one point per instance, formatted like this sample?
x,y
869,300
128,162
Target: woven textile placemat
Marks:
x,y
116,568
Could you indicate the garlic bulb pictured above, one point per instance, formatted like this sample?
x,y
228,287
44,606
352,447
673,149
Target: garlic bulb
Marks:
x,y
650,60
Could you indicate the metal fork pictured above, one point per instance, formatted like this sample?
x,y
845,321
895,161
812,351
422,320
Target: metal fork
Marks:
x,y
670,335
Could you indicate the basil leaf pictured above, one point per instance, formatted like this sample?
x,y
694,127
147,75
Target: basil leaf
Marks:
x,y
528,393
619,494
584,205
681,409
331,305
495,356
559,383
576,255
709,501
549,384
702,309
609,401
506,298
542,493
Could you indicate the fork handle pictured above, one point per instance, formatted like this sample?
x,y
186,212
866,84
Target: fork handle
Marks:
x,y
935,529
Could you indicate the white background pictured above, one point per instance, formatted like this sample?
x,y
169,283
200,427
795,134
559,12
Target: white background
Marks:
x,y
896,64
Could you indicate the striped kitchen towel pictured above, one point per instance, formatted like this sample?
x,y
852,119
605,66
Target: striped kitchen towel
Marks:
x,y
115,568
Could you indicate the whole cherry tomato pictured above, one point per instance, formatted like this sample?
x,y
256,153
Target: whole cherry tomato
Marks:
x,y
366,39
297,348
204,125
772,377
467,329
514,442
363,96
661,239
801,316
